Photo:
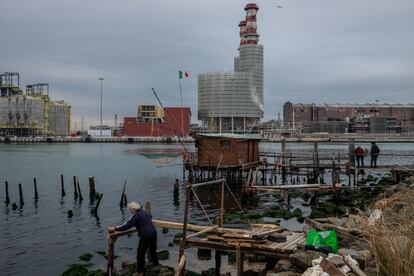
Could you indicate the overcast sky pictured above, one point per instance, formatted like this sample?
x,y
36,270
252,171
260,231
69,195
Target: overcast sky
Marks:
x,y
315,50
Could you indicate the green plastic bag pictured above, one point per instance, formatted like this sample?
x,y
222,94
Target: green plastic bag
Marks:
x,y
323,238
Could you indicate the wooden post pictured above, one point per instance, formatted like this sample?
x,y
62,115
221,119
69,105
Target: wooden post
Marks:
x,y
75,188
7,193
79,189
217,258
110,270
92,190
121,202
36,195
176,192
62,184
95,210
21,195
334,178
239,261
185,221
220,223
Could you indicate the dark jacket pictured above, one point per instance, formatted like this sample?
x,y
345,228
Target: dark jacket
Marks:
x,y
375,150
142,221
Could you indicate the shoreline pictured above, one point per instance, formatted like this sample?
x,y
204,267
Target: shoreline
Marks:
x,y
190,140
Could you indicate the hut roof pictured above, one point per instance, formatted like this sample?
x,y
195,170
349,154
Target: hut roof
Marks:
x,y
230,136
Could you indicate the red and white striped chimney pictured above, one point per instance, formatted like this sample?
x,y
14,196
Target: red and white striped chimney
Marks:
x,y
248,28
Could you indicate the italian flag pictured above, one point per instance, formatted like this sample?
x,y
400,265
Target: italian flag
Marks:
x,y
183,74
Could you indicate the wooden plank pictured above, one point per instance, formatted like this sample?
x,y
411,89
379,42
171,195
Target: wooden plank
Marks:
x,y
181,266
202,232
354,267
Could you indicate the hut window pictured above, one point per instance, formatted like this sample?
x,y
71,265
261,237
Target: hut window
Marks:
x,y
225,144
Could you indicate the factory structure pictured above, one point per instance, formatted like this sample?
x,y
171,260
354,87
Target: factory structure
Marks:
x,y
233,101
349,118
155,121
30,112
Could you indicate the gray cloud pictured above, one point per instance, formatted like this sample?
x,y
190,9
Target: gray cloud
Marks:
x,y
319,51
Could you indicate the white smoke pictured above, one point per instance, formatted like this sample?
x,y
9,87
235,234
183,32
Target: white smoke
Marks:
x,y
255,98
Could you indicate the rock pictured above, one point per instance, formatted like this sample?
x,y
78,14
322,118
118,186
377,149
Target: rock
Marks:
x,y
303,259
285,273
86,257
204,254
129,263
374,217
354,222
163,255
360,258
336,221
371,271
283,265
164,230
70,213
336,259
351,274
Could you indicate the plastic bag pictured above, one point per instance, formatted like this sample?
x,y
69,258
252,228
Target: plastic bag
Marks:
x,y
322,239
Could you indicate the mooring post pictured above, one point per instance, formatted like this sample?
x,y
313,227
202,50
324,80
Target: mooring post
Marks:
x,y
75,188
92,190
62,184
315,162
7,193
239,261
79,189
122,202
95,210
176,190
36,195
21,195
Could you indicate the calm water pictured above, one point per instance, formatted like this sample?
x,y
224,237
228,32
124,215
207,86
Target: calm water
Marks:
x,y
39,239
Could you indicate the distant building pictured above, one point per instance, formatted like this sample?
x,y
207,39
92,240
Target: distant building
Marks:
x,y
233,101
31,112
352,118
152,120
95,131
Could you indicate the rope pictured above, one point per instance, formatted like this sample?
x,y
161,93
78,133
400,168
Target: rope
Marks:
x,y
201,205
241,209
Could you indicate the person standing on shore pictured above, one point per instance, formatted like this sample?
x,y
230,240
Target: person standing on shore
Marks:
x,y
146,232
359,155
374,154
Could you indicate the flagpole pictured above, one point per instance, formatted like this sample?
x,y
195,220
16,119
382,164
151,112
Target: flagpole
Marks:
x,y
181,98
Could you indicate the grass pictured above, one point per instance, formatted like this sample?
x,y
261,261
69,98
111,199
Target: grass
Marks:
x,y
392,237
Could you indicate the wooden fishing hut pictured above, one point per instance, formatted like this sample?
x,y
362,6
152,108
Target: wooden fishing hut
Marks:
x,y
225,153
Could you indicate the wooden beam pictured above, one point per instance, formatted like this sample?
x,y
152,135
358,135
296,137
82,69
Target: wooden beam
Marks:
x,y
202,232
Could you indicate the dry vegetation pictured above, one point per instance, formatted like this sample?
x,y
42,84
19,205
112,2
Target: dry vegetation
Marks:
x,y
392,237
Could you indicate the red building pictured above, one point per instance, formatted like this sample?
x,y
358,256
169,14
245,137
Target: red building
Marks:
x,y
172,121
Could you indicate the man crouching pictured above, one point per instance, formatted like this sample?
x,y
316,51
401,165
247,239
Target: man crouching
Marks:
x,y
146,233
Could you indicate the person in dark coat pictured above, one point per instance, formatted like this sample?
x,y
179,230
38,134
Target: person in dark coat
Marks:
x,y
374,154
359,155
146,232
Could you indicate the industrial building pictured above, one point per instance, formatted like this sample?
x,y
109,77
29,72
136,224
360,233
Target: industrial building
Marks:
x,y
349,118
30,112
152,120
233,101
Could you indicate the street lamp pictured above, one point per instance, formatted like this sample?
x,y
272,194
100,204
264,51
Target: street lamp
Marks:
x,y
101,79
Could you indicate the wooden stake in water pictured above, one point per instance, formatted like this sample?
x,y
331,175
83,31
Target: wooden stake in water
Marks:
x,y
75,188
62,185
95,210
92,190
7,193
21,195
36,195
79,189
123,197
